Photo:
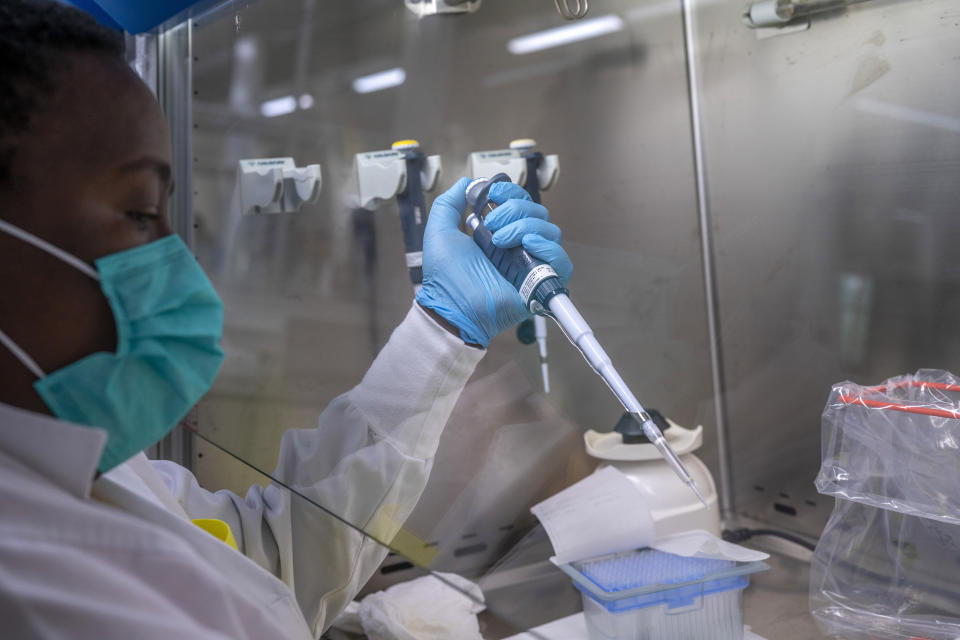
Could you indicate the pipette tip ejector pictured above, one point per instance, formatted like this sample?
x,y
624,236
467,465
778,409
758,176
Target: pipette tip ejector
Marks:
x,y
544,293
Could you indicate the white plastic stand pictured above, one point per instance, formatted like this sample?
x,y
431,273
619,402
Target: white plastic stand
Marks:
x,y
276,185
432,7
511,162
381,175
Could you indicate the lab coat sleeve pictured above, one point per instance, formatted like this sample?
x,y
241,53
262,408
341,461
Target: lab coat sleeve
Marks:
x,y
367,462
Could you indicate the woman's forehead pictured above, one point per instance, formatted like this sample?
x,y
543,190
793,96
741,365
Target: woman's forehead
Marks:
x,y
99,116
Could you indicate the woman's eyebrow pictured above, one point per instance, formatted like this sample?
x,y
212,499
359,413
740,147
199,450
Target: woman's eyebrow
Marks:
x,y
148,163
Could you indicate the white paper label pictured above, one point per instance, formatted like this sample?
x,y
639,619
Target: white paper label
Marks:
x,y
415,259
537,275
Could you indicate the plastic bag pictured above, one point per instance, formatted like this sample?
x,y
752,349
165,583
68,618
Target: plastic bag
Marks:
x,y
887,565
879,574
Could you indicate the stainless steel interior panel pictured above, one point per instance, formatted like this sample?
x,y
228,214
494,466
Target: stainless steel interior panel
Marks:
x,y
832,159
311,296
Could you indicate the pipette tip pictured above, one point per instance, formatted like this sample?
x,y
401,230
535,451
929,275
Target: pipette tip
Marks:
x,y
693,486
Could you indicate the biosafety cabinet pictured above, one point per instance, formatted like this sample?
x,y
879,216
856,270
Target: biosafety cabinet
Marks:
x,y
759,200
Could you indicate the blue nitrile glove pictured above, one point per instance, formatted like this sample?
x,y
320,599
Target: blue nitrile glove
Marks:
x,y
460,283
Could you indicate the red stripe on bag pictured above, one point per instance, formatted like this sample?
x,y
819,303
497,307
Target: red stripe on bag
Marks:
x,y
880,404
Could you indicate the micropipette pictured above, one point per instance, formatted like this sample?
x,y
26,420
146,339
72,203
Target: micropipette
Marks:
x,y
544,293
413,209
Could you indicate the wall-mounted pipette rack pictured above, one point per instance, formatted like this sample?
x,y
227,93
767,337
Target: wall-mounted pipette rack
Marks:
x,y
403,172
276,185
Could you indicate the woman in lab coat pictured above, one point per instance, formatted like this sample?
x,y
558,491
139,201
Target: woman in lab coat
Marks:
x,y
110,333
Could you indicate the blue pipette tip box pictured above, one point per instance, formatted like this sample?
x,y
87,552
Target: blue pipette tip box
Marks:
x,y
647,594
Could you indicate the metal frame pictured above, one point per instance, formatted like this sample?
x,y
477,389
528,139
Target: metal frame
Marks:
x,y
174,54
142,57
727,504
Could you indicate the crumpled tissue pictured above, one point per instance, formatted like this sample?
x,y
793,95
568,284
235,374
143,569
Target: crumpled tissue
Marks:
x,y
421,609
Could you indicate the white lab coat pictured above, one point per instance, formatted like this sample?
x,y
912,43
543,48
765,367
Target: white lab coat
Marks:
x,y
119,557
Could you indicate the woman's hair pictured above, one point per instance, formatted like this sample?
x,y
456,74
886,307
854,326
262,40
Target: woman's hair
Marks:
x,y
36,38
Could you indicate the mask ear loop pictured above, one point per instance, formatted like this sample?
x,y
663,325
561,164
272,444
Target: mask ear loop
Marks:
x,y
56,252
21,355
43,245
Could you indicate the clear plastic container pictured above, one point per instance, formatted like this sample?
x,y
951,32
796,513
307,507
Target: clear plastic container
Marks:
x,y
651,595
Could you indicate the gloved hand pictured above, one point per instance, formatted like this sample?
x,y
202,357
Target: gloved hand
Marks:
x,y
460,283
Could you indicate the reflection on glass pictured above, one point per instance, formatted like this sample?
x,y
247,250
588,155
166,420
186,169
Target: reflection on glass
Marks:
x,y
559,36
856,299
278,106
908,114
337,536
312,296
380,80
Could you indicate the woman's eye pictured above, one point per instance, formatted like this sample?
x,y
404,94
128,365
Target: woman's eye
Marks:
x,y
143,217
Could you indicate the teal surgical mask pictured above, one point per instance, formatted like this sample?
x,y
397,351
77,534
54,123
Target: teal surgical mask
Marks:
x,y
169,322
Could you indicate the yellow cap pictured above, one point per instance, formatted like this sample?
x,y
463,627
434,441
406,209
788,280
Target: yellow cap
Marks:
x,y
404,145
218,529
522,144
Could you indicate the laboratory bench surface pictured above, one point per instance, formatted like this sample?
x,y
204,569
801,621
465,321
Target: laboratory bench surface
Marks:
x,y
775,604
